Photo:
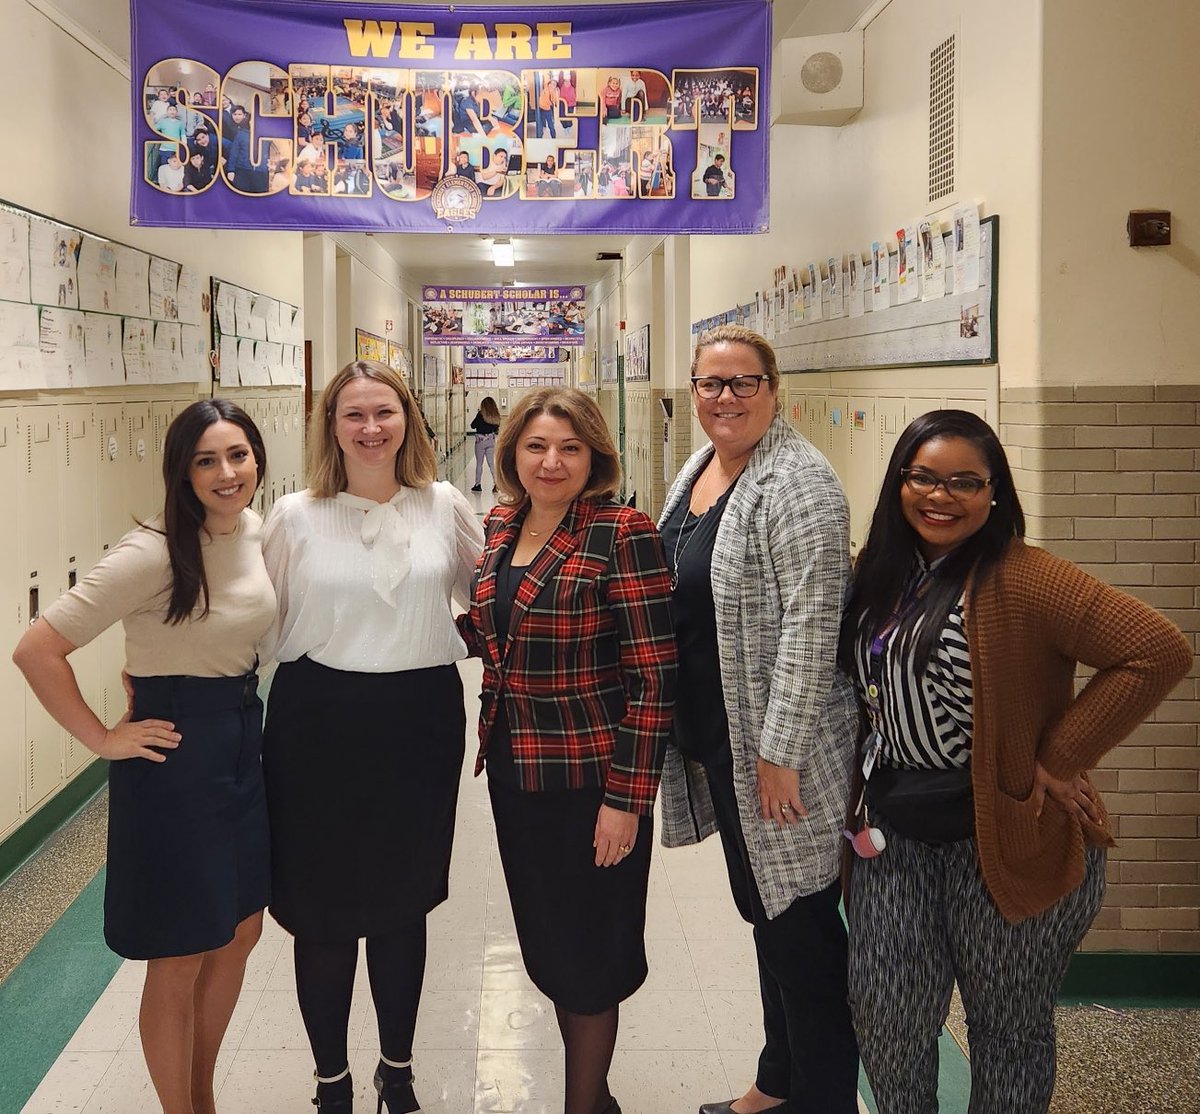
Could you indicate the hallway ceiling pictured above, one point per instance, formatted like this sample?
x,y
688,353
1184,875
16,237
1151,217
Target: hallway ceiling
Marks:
x,y
466,257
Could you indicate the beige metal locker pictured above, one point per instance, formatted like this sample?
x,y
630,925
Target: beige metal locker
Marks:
x,y
140,466
111,447
838,450
80,546
862,471
12,588
43,579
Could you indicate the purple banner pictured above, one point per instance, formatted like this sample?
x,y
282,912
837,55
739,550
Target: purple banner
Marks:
x,y
646,118
491,315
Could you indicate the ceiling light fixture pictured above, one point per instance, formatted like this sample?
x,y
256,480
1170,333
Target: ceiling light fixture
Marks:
x,y
502,253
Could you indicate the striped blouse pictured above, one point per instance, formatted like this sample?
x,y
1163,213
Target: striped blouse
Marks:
x,y
925,720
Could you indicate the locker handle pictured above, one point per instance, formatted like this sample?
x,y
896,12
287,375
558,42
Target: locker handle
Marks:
x,y
72,577
34,607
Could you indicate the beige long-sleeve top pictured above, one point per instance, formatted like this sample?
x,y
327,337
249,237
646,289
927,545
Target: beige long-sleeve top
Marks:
x,y
132,584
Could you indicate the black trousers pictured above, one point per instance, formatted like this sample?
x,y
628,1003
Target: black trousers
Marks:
x,y
810,1056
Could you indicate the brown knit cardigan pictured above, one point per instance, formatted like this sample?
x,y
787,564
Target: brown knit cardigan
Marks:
x,y
1028,624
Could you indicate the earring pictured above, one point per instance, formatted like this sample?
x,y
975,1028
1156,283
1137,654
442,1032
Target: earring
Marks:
x,y
993,502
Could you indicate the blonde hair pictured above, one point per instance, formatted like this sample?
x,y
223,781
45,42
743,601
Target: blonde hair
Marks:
x,y
589,425
416,464
489,410
739,334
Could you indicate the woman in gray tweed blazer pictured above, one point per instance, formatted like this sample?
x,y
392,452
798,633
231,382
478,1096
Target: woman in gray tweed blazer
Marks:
x,y
756,530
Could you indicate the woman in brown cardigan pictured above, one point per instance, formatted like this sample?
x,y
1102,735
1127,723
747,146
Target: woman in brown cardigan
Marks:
x,y
964,643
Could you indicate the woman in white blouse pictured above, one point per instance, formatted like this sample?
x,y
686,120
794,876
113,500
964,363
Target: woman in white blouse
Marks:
x,y
365,722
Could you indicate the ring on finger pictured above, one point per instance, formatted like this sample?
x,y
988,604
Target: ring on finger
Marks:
x,y
785,807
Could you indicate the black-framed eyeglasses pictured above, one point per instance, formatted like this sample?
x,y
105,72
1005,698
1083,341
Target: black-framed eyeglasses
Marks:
x,y
921,482
742,386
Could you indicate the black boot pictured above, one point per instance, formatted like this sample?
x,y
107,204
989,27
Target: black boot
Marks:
x,y
395,1089
337,1097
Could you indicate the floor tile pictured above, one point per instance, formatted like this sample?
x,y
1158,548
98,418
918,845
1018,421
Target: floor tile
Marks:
x,y
503,967
670,964
108,1023
517,1019
69,1083
268,1081
646,1082
276,1024
735,1017
449,1020
711,918
524,1082
665,1020
444,1080
725,964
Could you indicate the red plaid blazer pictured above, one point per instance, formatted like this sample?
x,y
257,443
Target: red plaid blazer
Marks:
x,y
587,674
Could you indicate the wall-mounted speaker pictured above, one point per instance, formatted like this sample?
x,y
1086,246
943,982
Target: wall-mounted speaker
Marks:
x,y
817,79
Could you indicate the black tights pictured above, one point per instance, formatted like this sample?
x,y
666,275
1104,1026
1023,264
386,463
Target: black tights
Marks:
x,y
589,1039
325,983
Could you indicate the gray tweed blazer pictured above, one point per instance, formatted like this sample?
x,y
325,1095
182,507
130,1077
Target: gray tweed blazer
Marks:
x,y
780,568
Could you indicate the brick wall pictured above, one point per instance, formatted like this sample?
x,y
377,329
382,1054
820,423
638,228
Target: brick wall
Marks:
x,y
1109,477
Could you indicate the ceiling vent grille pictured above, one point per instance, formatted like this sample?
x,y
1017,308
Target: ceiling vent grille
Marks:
x,y
941,120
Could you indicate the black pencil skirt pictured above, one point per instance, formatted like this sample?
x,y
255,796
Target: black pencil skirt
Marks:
x,y
582,928
362,773
187,838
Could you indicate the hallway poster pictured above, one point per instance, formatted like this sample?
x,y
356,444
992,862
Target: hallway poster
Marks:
x,y
631,119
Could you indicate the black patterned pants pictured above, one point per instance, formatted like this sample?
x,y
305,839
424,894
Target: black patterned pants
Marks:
x,y
920,919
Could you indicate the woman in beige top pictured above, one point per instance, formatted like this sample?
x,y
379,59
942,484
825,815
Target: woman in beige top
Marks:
x,y
188,872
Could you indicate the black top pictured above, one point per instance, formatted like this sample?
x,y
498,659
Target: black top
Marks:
x,y
481,425
701,725
499,756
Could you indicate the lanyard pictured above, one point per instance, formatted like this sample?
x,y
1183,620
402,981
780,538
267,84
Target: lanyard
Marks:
x,y
906,605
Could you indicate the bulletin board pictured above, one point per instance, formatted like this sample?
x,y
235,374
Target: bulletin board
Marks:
x,y
259,340
953,329
370,346
79,310
398,359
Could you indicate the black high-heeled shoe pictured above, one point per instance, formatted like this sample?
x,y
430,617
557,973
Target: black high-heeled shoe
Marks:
x,y
336,1097
395,1089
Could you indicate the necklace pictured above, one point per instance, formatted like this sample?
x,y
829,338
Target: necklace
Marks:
x,y
680,550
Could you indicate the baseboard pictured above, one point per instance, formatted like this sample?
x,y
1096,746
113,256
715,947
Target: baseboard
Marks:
x,y
1169,978
30,836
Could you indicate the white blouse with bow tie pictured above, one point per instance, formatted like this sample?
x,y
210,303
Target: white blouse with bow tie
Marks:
x,y
367,587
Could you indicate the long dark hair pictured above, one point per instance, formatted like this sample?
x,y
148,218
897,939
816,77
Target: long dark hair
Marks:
x,y
183,513
885,563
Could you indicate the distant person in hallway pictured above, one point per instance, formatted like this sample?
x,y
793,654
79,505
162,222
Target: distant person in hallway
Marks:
x,y
188,872
486,425
757,533
365,730
571,614
964,642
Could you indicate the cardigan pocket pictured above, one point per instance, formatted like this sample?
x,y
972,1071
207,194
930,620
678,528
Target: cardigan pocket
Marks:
x,y
1018,828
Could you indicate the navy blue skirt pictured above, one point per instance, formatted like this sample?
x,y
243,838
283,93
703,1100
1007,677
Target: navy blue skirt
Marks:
x,y
188,846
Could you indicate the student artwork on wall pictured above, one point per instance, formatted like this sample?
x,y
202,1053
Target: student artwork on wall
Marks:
x,y
398,359
369,346
929,300
259,341
638,119
78,310
637,356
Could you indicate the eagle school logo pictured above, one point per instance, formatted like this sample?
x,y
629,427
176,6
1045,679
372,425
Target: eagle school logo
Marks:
x,y
456,199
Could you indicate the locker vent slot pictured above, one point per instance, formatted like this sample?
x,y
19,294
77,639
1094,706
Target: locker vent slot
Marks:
x,y
941,120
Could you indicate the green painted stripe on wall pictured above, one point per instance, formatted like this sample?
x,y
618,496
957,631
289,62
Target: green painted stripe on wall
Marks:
x,y
19,847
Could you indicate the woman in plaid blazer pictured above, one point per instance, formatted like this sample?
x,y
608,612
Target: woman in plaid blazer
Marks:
x,y
571,615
